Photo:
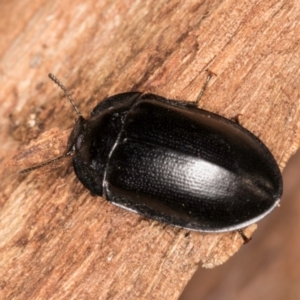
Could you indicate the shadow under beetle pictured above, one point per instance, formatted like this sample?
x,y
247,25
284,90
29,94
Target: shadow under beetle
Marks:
x,y
173,162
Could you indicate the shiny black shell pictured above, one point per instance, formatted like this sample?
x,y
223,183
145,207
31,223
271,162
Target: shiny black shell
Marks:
x,y
173,162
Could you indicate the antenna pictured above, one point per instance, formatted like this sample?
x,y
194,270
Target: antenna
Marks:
x,y
69,153
52,77
48,162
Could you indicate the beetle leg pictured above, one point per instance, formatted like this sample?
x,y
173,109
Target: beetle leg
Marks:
x,y
237,119
209,76
244,237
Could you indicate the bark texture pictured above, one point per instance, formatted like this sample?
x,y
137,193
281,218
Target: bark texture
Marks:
x,y
56,240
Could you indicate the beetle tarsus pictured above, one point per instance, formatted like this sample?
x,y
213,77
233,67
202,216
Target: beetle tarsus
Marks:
x,y
209,76
237,119
244,237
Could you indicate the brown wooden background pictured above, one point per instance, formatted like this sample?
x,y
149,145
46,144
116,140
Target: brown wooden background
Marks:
x,y
56,240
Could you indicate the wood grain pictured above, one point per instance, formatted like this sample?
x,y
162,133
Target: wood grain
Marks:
x,y
59,242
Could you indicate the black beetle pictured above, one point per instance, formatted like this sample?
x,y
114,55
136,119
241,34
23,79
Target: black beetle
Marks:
x,y
173,162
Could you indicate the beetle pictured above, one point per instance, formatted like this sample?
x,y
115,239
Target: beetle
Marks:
x,y
171,161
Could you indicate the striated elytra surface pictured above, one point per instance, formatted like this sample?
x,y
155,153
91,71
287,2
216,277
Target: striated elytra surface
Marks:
x,y
170,161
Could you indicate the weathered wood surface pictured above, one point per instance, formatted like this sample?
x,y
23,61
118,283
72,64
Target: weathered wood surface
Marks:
x,y
56,240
